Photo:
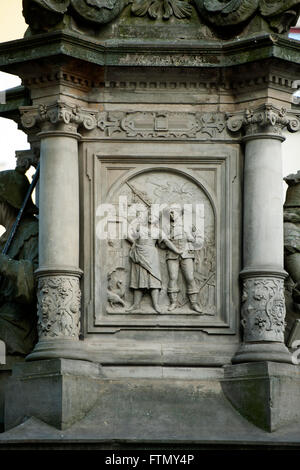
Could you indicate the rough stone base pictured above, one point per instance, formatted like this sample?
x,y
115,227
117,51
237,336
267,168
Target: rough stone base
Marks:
x,y
132,410
5,373
265,393
58,392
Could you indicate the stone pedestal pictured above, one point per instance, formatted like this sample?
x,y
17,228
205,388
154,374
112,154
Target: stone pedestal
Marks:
x,y
265,393
157,112
59,392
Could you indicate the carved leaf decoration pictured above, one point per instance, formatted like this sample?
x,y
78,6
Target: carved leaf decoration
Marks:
x,y
140,8
181,9
224,7
153,9
168,10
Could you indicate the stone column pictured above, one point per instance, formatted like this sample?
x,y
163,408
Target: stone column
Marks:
x,y
263,302
58,275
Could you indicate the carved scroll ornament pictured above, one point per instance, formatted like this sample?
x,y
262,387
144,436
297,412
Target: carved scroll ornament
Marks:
x,y
279,15
265,119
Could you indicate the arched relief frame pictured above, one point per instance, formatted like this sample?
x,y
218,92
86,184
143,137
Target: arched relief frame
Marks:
x,y
224,169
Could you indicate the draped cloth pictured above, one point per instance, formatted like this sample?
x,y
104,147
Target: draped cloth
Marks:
x,y
145,266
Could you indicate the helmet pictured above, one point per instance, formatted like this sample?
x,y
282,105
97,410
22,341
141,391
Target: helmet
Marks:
x,y
293,192
13,189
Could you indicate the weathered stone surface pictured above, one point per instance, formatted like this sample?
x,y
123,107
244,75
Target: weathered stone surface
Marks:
x,y
59,392
211,19
265,393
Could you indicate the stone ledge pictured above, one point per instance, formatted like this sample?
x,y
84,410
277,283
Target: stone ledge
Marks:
x,y
147,53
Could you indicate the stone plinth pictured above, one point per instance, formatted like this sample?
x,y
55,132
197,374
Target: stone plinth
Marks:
x,y
59,392
265,393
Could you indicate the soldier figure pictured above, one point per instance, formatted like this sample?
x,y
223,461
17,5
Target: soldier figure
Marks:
x,y
17,287
183,241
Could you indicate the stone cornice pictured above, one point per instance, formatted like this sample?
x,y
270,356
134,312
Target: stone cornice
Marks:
x,y
147,53
264,120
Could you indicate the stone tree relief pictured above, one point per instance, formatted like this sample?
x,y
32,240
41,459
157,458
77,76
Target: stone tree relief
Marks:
x,y
164,262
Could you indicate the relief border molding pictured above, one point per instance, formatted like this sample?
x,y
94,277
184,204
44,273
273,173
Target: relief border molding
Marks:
x,y
137,125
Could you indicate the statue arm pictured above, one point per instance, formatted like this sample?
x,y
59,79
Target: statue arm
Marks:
x,y
164,240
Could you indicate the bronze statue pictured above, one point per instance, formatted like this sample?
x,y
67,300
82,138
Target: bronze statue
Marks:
x,y
17,285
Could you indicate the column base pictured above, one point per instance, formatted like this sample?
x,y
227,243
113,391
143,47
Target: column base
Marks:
x,y
60,348
265,393
58,392
260,351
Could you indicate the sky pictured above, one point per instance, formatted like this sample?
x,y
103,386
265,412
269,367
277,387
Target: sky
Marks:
x,y
12,26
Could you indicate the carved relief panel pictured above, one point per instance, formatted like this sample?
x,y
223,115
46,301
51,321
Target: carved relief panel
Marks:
x,y
158,254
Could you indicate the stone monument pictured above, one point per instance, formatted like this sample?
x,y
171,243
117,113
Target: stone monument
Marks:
x,y
160,285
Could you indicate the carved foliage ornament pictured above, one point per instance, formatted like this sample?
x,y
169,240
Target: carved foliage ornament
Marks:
x,y
161,125
58,307
167,8
263,309
58,113
267,118
279,14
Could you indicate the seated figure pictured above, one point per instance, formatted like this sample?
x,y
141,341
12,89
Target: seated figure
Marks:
x,y
18,321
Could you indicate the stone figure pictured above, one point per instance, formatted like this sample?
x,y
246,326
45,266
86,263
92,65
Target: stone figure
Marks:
x,y
292,233
279,15
17,286
145,265
182,259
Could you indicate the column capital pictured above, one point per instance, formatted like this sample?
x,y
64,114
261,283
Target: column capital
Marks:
x,y
58,117
263,121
